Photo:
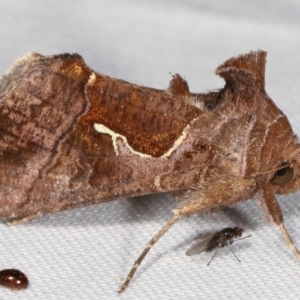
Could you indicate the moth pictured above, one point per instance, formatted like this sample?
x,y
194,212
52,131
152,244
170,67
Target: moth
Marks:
x,y
222,238
71,137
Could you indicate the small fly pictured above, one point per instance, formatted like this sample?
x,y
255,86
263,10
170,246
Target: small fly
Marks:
x,y
219,239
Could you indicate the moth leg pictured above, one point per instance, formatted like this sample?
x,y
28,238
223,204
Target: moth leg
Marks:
x,y
150,244
273,209
288,240
17,221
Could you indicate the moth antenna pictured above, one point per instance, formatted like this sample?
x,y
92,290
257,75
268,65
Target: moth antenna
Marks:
x,y
150,244
233,252
288,240
213,256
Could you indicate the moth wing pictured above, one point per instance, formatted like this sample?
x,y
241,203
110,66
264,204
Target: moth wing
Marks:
x,y
61,148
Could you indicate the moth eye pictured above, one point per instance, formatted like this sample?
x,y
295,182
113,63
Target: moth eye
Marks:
x,y
283,176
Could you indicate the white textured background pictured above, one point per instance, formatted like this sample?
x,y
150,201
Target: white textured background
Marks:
x,y
86,253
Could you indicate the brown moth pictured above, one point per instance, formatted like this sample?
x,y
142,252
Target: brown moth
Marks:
x,y
71,137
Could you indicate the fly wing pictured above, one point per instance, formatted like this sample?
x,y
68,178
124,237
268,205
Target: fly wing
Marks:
x,y
200,246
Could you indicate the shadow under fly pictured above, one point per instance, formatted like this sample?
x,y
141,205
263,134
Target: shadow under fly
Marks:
x,y
219,239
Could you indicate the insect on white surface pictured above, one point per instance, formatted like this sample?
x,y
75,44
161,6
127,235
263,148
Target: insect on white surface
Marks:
x,y
219,239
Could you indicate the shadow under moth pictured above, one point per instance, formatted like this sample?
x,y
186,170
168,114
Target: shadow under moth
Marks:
x,y
71,137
